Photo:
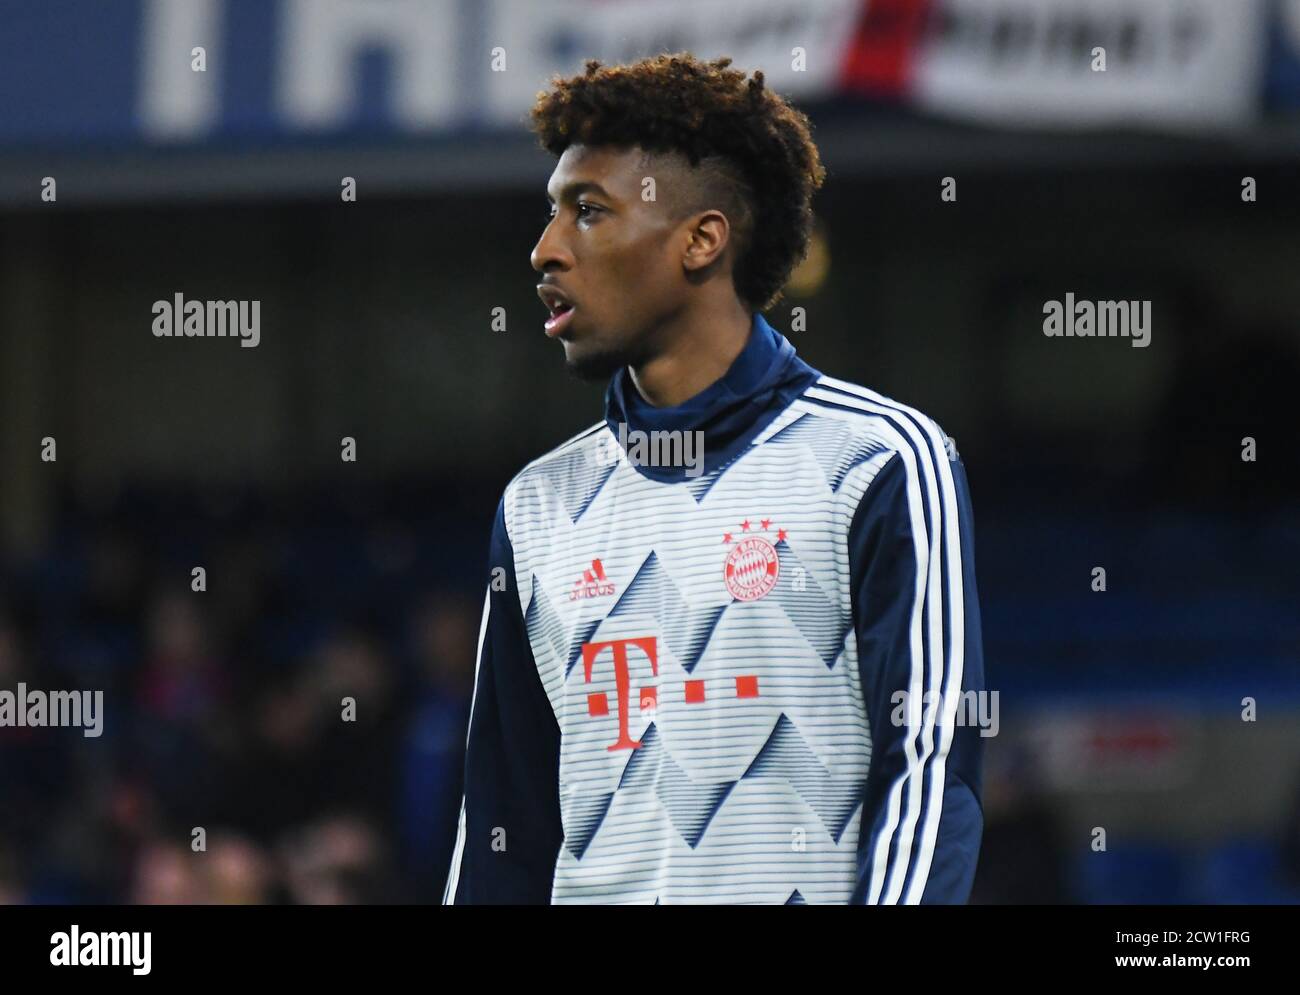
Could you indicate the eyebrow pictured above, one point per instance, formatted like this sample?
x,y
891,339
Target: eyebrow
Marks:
x,y
579,187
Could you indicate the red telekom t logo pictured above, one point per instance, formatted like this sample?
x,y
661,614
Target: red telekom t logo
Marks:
x,y
622,680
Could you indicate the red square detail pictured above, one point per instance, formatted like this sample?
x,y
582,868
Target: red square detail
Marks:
x,y
597,704
747,686
694,692
649,698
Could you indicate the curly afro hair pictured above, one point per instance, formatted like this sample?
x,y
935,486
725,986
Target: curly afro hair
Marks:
x,y
751,153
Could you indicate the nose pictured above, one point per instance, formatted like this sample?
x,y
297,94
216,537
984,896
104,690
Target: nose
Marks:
x,y
549,252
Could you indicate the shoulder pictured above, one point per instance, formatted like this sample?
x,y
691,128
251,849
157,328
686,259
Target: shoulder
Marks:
x,y
579,447
864,411
862,437
571,472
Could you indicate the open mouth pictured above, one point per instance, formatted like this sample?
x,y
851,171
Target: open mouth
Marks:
x,y
560,316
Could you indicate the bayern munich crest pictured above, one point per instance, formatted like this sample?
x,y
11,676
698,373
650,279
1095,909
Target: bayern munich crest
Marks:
x,y
752,565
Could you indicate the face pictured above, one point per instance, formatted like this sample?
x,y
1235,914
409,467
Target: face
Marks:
x,y
614,258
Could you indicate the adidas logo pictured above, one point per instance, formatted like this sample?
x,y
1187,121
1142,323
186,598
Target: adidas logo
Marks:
x,y
592,584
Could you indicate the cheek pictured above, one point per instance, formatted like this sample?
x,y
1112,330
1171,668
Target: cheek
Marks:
x,y
627,269
643,265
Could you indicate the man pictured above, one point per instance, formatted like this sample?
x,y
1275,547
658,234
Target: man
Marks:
x,y
732,678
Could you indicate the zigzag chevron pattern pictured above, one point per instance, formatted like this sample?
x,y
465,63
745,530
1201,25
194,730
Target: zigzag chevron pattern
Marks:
x,y
807,608
786,755
837,452
691,806
541,617
653,593
576,477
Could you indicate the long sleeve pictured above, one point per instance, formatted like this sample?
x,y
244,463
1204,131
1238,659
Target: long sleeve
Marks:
x,y
510,829
917,625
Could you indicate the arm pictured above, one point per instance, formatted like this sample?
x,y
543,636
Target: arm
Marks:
x,y
917,624
510,830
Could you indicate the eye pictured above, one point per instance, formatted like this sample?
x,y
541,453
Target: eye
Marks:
x,y
585,210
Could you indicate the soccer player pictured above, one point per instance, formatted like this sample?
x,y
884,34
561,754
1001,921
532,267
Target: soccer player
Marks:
x,y
731,675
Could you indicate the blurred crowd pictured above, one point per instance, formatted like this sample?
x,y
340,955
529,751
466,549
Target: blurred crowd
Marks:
x,y
231,768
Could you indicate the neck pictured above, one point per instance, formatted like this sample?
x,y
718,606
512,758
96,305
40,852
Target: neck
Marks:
x,y
698,351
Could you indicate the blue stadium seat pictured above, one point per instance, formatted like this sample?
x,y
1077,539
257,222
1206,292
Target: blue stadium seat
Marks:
x,y
1243,871
1133,873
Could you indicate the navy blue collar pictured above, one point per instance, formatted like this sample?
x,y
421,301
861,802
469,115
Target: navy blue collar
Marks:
x,y
760,383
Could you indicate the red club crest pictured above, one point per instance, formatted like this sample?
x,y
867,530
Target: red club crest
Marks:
x,y
752,565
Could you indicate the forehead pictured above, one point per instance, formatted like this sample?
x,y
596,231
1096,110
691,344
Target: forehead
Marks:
x,y
617,170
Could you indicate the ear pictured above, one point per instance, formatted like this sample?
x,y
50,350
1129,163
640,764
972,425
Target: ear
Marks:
x,y
709,233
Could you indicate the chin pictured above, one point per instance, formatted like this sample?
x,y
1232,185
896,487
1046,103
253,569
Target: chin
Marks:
x,y
594,364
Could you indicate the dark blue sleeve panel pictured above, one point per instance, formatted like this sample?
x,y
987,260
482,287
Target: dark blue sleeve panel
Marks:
x,y
916,618
510,829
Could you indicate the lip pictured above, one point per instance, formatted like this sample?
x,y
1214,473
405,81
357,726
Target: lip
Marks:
x,y
557,323
556,300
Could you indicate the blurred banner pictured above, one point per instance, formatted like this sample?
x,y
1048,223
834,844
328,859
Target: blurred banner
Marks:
x,y
1087,62
81,73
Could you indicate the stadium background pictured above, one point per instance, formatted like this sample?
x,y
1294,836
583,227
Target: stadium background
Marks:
x,y
1119,709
